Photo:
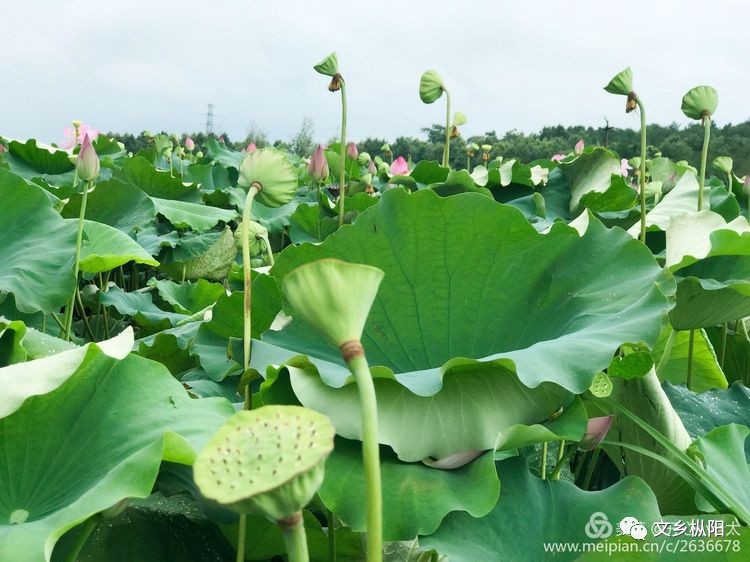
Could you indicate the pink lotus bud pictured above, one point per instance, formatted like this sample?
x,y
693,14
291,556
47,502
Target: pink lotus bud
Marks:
x,y
351,151
624,167
579,146
189,144
318,167
251,148
3,150
399,167
558,157
371,168
596,431
87,165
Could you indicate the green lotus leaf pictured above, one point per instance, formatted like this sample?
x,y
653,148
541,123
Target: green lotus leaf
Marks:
x,y
91,431
19,343
723,164
735,349
104,248
416,497
672,352
156,183
700,102
430,87
213,260
532,513
29,161
270,169
329,66
621,84
429,171
459,181
591,174
189,298
199,217
139,306
38,247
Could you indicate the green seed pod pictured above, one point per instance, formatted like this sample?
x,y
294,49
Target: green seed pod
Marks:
x,y
329,66
333,296
272,173
621,84
459,119
700,102
723,164
256,233
270,460
430,87
364,158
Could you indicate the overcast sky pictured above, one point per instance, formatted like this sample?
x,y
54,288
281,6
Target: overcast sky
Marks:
x,y
135,65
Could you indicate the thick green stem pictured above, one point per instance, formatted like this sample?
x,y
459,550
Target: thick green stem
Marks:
x,y
295,540
642,173
83,537
704,158
447,147
590,468
241,533
468,164
82,311
342,154
76,264
562,458
357,364
544,461
247,276
691,346
331,535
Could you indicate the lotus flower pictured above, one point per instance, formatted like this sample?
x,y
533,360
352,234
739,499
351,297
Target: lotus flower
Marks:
x,y
318,166
399,167
251,148
351,151
87,165
3,150
624,167
558,157
579,146
74,136
189,144
596,431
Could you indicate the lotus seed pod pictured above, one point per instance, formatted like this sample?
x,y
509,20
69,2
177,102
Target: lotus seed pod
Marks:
x,y
430,87
723,164
329,66
459,119
486,147
333,296
621,84
270,460
386,148
363,158
700,102
272,173
256,233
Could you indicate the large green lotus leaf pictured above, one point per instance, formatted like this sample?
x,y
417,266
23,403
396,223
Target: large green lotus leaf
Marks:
x,y
210,260
32,161
416,497
140,306
114,203
704,412
156,183
189,298
694,236
199,217
736,364
38,247
671,355
429,171
459,181
167,350
223,155
19,343
104,247
533,512
95,436
590,172
210,177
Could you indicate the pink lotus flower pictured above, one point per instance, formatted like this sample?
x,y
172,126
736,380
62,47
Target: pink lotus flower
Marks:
x,y
596,431
399,167
624,167
251,148
87,164
73,139
351,151
558,157
318,166
3,150
579,146
189,144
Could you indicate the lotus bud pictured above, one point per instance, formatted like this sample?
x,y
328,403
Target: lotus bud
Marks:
x,y
269,171
430,87
579,146
371,169
363,158
333,297
723,164
386,149
269,460
3,150
189,144
87,165
399,167
596,431
557,157
351,151
318,167
251,147
700,103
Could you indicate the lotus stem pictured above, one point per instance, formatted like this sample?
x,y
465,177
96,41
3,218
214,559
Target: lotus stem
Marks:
x,y
247,276
667,351
704,158
241,533
590,468
544,461
642,174
723,345
342,154
331,518
354,356
691,345
88,527
295,540
76,262
562,458
447,147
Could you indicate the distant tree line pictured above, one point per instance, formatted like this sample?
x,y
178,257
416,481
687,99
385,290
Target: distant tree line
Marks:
x,y
673,141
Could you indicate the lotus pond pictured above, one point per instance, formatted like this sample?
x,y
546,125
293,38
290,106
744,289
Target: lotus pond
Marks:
x,y
215,355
